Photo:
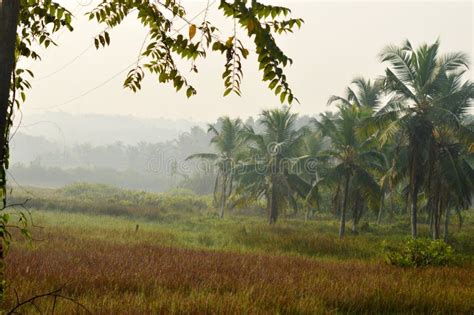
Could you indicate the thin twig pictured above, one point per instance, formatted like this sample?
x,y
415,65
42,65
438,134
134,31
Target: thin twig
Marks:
x,y
55,294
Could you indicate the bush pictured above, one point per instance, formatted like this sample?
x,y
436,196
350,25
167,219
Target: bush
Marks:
x,y
420,253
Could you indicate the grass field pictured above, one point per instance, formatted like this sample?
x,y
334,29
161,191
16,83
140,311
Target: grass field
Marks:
x,y
196,263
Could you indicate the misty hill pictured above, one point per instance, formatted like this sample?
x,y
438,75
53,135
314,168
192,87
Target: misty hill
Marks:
x,y
97,129
128,152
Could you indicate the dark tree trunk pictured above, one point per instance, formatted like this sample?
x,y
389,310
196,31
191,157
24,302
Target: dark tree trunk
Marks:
x,y
224,195
435,225
392,205
382,204
335,201
356,214
446,224
414,211
9,11
216,188
309,209
273,209
430,217
437,219
342,225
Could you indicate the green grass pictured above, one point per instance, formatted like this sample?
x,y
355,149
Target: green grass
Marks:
x,y
201,264
184,259
317,239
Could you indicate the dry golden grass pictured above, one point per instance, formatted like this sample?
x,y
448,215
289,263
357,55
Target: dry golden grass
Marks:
x,y
139,278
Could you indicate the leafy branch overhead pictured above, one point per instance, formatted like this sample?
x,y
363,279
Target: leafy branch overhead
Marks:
x,y
165,43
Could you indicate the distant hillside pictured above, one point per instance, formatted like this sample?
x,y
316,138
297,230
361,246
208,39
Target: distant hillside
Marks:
x,y
102,129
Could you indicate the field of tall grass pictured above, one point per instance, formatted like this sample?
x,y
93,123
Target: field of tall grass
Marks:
x,y
189,261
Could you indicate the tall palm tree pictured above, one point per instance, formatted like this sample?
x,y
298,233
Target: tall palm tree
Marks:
x,y
352,157
227,141
268,172
452,182
428,93
313,165
366,94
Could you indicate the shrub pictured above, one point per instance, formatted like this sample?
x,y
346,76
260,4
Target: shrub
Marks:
x,y
419,253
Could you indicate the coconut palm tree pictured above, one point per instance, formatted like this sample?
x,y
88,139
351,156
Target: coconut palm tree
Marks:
x,y
366,94
313,165
268,172
428,93
352,157
452,180
227,141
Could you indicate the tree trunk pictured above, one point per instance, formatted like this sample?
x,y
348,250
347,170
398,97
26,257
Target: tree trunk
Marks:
x,y
273,206
382,204
335,201
342,225
9,11
392,205
430,217
224,195
446,224
436,219
414,211
215,193
356,213
309,209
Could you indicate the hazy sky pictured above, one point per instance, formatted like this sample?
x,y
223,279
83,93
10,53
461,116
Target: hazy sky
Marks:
x,y
340,40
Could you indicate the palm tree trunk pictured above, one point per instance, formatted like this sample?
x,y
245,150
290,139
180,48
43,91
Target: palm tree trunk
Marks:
x,y
438,218
414,211
306,216
273,206
9,12
308,205
223,196
446,224
382,204
216,185
356,214
430,217
335,201
392,205
435,231
342,225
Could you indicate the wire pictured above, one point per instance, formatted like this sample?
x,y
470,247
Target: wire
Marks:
x,y
67,64
88,91
85,93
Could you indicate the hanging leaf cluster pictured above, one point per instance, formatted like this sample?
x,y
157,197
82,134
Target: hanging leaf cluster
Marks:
x,y
164,43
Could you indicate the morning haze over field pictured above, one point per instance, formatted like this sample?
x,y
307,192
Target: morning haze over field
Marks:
x,y
153,164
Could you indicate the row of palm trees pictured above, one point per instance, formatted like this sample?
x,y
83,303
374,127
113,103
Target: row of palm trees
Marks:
x,y
407,136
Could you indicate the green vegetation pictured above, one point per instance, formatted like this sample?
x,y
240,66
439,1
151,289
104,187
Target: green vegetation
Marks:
x,y
397,156
193,261
187,220
419,253
406,137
